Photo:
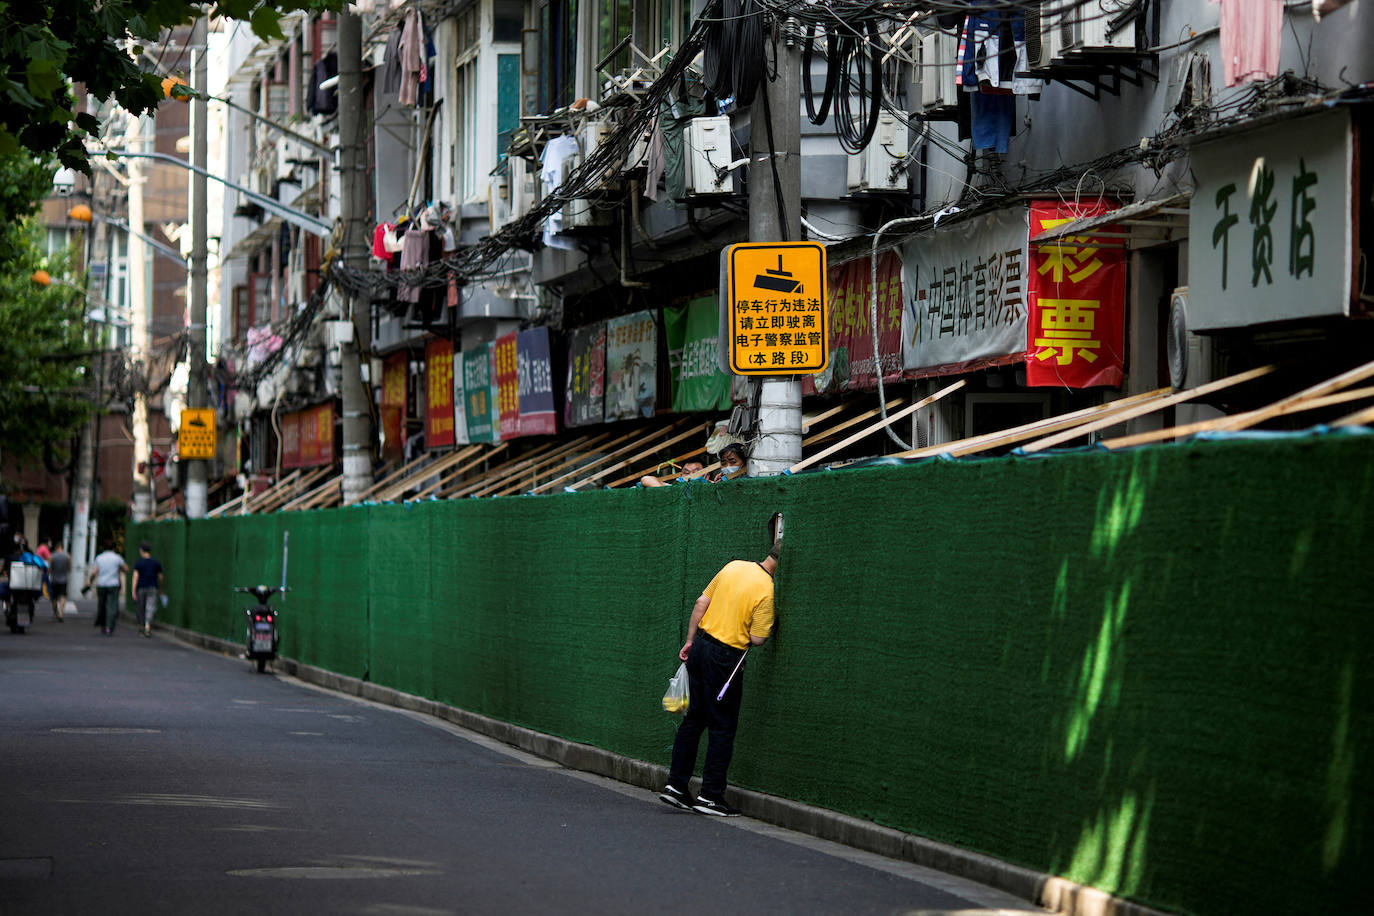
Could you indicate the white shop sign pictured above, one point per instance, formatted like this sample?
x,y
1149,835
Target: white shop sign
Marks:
x,y
1270,235
964,292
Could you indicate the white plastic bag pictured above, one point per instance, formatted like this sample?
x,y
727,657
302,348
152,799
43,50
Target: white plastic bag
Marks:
x,y
678,697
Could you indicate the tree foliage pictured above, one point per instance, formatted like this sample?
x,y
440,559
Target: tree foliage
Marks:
x,y
43,380
47,45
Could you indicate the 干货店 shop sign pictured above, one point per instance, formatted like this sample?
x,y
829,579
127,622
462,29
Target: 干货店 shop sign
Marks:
x,y
1270,234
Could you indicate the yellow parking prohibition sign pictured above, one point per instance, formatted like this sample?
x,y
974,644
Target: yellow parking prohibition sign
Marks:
x,y
779,316
196,438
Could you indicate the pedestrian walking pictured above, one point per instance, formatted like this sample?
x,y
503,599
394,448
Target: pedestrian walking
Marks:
x,y
59,569
734,613
108,576
147,587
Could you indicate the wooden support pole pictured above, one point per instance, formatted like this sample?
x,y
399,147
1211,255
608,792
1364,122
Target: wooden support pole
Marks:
x,y
869,430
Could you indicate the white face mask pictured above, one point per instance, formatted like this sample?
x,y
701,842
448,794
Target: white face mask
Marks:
x,y
730,469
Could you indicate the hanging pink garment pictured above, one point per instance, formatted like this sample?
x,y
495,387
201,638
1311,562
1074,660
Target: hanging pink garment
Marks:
x,y
1251,32
412,64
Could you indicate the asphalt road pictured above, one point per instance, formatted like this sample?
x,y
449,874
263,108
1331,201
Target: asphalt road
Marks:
x,y
143,776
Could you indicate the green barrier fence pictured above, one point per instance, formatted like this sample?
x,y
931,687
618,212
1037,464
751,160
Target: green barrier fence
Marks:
x,y
1147,672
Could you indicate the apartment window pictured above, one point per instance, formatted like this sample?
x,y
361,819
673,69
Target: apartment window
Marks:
x,y
243,311
557,53
469,28
465,86
613,20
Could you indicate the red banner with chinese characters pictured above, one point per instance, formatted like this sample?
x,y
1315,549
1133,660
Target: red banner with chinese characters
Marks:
x,y
1076,330
291,441
394,405
308,431
438,393
322,419
507,385
852,366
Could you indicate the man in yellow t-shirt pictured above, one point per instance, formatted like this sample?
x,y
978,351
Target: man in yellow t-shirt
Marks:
x,y
734,613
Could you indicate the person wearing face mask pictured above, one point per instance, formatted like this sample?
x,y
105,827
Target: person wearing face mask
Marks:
x,y
733,463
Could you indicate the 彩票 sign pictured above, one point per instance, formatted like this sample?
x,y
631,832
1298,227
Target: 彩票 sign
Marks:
x,y
1076,329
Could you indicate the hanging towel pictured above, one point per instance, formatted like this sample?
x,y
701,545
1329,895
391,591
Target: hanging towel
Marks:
x,y
412,62
654,163
1251,32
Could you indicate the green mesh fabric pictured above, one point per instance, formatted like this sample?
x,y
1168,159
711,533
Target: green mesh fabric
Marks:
x,y
1149,672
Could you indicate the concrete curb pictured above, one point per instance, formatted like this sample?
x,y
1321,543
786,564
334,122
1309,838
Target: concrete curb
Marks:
x,y
1039,888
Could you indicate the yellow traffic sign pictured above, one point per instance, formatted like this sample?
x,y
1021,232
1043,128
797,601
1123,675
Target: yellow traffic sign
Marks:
x,y
778,314
196,438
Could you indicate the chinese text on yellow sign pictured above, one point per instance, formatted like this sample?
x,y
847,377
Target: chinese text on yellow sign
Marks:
x,y
778,322
196,437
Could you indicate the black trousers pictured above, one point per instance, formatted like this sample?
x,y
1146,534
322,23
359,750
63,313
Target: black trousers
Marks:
x,y
709,664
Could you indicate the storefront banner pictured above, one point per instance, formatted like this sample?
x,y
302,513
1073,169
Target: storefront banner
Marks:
x,y
438,393
693,333
534,383
291,440
394,404
1275,224
851,365
631,366
477,393
460,404
309,435
508,385
322,419
964,293
586,389
1076,332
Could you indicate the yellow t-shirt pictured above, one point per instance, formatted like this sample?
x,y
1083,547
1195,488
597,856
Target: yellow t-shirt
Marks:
x,y
741,604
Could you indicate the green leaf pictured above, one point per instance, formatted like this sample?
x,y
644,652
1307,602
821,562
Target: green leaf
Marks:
x,y
266,23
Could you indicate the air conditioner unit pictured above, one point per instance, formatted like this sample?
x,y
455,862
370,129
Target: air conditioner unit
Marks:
x,y
939,59
498,200
1189,354
881,167
521,182
706,151
1088,27
1043,35
591,135
287,152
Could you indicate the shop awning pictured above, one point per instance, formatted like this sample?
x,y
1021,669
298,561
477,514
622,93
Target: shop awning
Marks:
x,y
250,243
1143,222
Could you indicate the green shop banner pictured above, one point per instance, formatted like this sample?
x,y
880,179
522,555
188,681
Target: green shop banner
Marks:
x,y
693,332
477,394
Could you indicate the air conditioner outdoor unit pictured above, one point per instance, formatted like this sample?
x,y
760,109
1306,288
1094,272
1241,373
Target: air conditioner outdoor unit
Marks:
x,y
706,151
288,152
521,182
1189,354
881,167
1088,27
498,200
939,56
591,135
1043,34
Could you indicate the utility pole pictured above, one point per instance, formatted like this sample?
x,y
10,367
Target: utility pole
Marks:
x,y
138,327
357,394
196,388
779,426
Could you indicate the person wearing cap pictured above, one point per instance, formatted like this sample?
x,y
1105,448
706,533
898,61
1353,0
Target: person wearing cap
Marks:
x,y
147,587
734,613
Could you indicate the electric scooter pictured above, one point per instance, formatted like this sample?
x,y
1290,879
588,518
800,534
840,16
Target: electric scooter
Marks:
x,y
263,638
25,586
